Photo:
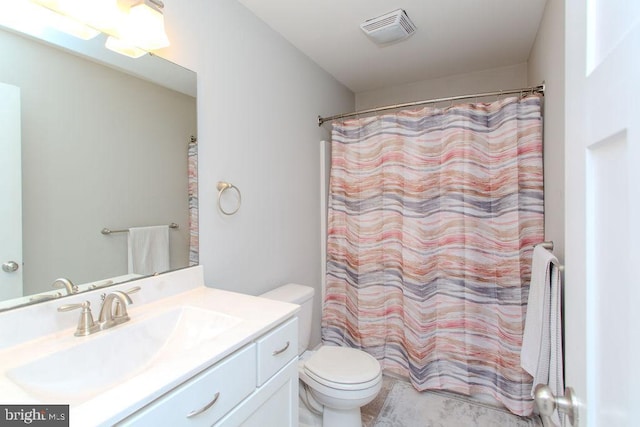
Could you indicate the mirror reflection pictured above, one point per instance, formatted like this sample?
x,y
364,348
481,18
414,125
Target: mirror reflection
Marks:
x,y
87,146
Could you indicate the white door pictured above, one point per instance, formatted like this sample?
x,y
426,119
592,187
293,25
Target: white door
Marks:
x,y
602,291
10,193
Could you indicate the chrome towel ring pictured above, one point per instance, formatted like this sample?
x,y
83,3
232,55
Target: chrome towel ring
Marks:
x,y
222,187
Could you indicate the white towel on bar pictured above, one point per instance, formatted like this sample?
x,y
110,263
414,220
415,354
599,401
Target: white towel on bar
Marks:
x,y
541,353
148,249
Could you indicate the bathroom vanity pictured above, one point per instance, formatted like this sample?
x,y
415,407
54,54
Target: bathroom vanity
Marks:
x,y
190,355
255,386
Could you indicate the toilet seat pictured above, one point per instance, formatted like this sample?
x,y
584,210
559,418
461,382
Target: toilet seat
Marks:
x,y
343,368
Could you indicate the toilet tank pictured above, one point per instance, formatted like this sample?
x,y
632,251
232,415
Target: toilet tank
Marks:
x,y
303,296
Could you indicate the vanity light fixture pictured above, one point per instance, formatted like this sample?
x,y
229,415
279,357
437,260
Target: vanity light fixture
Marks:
x,y
134,27
70,26
103,15
122,47
145,25
28,17
142,30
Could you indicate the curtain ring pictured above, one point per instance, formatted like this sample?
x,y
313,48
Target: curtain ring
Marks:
x,y
222,187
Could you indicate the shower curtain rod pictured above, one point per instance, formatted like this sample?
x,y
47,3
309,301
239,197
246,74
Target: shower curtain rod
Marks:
x,y
532,89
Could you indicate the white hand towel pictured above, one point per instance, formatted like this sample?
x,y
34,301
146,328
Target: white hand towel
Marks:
x,y
541,353
149,249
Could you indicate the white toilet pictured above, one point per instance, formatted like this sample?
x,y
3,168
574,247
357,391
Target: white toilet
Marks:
x,y
336,381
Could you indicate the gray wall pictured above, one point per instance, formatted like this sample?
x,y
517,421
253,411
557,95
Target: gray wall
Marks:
x,y
546,63
258,98
495,79
99,149
258,102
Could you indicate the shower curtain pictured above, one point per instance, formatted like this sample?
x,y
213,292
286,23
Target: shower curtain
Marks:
x,y
432,219
194,233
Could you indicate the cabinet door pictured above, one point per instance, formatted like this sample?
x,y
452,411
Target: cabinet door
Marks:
x,y
273,404
206,398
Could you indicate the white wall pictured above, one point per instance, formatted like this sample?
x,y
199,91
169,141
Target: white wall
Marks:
x,y
546,63
99,149
502,78
258,101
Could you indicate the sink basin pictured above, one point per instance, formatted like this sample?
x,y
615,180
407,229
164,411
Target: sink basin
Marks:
x,y
110,357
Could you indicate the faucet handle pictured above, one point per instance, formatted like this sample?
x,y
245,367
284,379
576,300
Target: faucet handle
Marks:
x,y
133,290
86,325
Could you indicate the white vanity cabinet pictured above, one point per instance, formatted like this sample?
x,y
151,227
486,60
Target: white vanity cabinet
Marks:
x,y
255,386
275,400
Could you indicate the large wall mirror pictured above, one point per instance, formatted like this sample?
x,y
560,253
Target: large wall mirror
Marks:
x,y
90,140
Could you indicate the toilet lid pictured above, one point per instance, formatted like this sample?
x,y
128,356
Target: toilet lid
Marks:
x,y
342,365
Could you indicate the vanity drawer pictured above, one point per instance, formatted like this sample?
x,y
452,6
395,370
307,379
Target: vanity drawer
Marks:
x,y
228,382
276,349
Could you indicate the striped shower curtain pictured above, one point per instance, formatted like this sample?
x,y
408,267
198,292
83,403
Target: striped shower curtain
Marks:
x,y
433,215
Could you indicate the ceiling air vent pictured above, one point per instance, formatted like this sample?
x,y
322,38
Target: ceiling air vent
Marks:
x,y
389,28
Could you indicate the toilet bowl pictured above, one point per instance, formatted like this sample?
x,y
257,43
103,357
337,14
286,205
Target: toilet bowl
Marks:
x,y
336,381
342,380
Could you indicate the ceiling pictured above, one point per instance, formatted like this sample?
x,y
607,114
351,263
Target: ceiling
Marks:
x,y
452,36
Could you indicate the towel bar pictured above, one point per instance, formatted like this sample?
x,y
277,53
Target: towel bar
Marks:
x,y
547,245
107,231
222,187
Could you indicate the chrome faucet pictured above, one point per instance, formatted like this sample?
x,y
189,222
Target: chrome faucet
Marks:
x,y
66,283
86,325
107,319
113,312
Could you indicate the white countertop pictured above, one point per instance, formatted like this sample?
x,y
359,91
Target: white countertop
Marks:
x,y
257,315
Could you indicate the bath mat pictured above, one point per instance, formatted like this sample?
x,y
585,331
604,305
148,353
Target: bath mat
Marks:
x,y
400,405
